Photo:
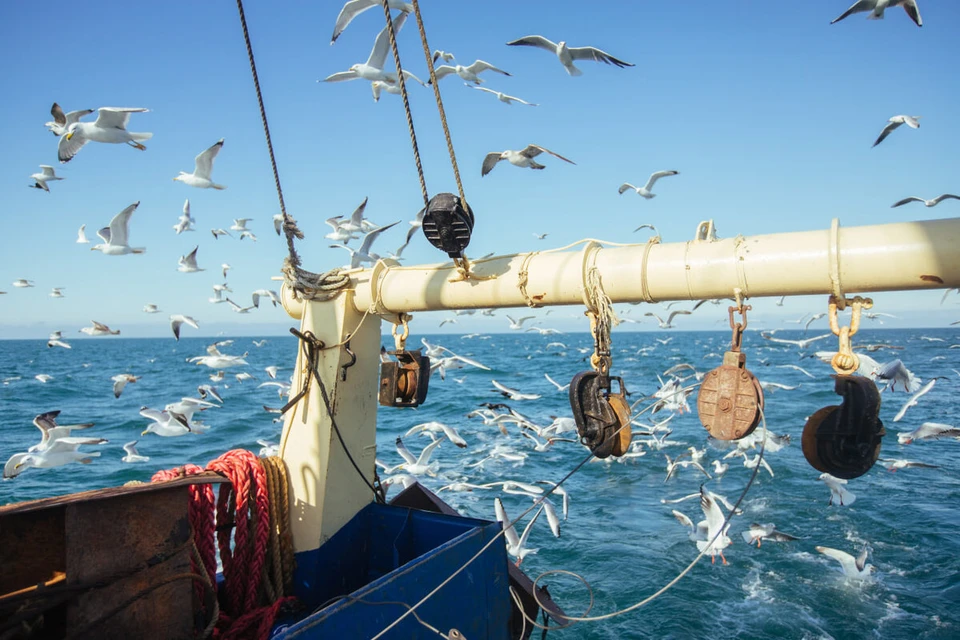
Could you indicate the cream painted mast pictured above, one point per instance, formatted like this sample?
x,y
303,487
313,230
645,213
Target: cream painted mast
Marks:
x,y
327,491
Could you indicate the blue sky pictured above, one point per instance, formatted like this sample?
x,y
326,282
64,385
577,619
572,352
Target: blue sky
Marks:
x,y
768,115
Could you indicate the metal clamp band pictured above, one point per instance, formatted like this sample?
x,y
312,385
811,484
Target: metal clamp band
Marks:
x,y
834,257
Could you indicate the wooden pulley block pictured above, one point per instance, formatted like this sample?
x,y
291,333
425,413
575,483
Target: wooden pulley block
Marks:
x,y
844,440
602,415
730,399
404,379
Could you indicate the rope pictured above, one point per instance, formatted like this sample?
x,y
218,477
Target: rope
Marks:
x,y
522,280
436,93
406,101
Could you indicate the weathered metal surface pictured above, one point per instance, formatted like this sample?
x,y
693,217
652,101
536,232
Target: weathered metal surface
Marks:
x,y
405,380
602,415
730,399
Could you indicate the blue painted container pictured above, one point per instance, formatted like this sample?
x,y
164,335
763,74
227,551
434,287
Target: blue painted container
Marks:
x,y
388,554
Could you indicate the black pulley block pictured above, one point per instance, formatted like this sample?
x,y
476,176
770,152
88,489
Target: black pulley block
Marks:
x,y
448,224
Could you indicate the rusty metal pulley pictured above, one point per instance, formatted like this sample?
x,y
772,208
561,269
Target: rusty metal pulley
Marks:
x,y
601,414
730,399
404,379
844,440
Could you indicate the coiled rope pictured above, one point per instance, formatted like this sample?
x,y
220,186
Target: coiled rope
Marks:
x,y
258,562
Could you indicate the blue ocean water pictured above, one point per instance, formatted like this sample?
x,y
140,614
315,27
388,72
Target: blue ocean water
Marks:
x,y
619,536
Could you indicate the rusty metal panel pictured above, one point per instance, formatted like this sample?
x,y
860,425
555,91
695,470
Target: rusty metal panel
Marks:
x,y
146,534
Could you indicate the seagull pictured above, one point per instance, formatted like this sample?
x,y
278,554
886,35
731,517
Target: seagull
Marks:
x,y
43,377
363,254
560,387
82,235
57,292
240,224
41,179
926,203
220,232
238,308
184,222
438,427
895,464
188,263
120,381
513,394
277,223
518,324
648,226
273,295
377,86
715,540
516,545
61,121
168,424
802,344
896,121
99,329
797,368
470,73
56,340
929,431
876,316
646,190
151,308
59,452
416,465
838,492
132,454
502,97
246,233
877,7
226,267
110,127
913,399
177,320
568,55
22,283
673,465
759,532
894,372
523,158
353,8
372,69
852,567
115,237
669,323
203,167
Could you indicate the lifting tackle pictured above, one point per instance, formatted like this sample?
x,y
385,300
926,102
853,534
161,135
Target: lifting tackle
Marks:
x,y
404,375
844,440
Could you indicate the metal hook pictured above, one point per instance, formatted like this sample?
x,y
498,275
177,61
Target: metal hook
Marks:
x,y
349,363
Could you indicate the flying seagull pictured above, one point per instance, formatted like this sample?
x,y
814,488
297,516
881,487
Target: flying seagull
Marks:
x,y
115,237
568,55
896,121
353,8
62,121
926,203
522,158
470,73
110,127
646,190
877,7
40,179
177,320
203,167
372,69
502,97
188,263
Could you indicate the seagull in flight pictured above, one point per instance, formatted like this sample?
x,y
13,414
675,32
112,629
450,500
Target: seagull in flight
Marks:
x,y
372,69
62,121
203,167
646,190
99,329
926,203
838,492
514,394
364,253
852,567
470,73
115,237
911,121
82,235
184,222
802,344
567,55
516,545
877,7
669,322
502,97
110,127
518,324
523,158
914,399
929,431
40,179
132,454
353,8
188,263
177,320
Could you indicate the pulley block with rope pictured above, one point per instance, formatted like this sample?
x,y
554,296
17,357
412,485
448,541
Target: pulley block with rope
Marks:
x,y
602,414
730,399
448,224
404,375
844,440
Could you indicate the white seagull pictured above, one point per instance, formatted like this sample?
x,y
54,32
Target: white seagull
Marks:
x,y
203,167
929,431
372,69
99,329
353,8
151,308
517,325
838,490
82,235
911,121
567,55
132,454
852,567
184,222
40,179
926,203
417,465
523,158
646,190
760,532
502,97
177,320
438,427
470,73
22,283
913,399
877,7
188,263
62,121
116,236
56,340
669,322
120,381
110,127
513,394
516,545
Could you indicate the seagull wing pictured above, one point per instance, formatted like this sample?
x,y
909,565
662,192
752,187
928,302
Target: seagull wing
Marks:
x,y
656,176
861,5
120,226
471,362
69,147
674,314
58,116
116,117
131,448
378,55
350,11
427,451
341,76
373,235
900,203
489,162
935,201
479,88
404,452
204,163
683,519
887,130
443,71
626,186
74,116
910,6
356,218
504,389
508,531
534,41
480,65
846,560
48,171
712,512
592,53
526,531
533,150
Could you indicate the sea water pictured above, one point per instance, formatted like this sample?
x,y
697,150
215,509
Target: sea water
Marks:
x,y
618,537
